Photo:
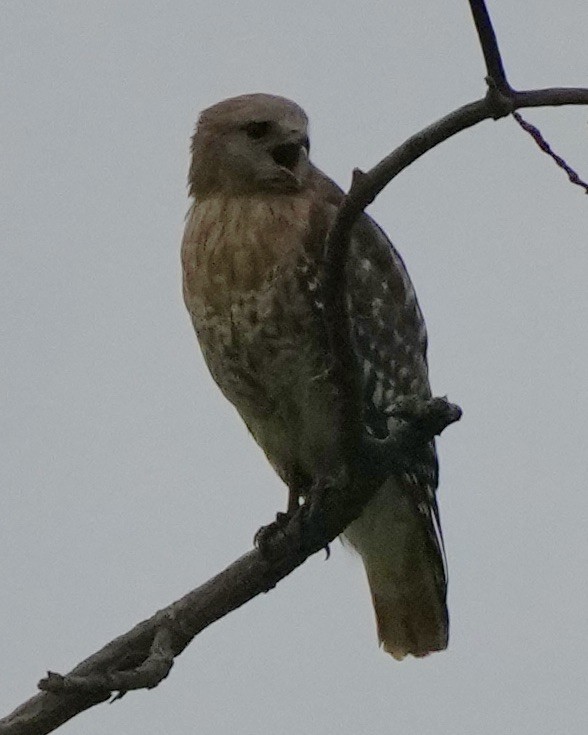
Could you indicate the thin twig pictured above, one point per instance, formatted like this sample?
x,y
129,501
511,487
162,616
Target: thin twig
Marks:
x,y
489,44
535,133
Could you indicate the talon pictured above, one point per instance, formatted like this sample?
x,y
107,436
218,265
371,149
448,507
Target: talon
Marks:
x,y
313,521
266,534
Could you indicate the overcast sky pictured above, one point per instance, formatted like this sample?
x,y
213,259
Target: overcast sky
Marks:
x,y
126,477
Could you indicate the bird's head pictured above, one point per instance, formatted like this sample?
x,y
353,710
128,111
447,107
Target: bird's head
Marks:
x,y
250,144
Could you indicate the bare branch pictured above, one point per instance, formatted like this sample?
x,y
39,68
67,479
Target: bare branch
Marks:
x,y
496,79
489,46
551,97
366,186
143,656
535,133
147,675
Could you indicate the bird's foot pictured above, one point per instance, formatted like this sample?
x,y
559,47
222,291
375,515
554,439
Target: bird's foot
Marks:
x,y
281,528
304,527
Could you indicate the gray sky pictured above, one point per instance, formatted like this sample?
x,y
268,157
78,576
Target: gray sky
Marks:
x,y
127,479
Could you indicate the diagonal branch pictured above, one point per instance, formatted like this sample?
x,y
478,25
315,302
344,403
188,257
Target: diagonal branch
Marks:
x,y
535,133
143,656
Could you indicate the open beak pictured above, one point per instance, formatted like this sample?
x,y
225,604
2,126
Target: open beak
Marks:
x,y
288,155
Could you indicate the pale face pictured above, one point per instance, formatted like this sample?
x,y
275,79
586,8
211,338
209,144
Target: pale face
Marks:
x,y
251,143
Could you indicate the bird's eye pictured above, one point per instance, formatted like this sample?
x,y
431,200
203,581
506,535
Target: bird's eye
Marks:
x,y
306,143
257,130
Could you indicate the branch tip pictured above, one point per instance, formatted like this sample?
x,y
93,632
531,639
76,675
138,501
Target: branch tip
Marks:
x,y
489,44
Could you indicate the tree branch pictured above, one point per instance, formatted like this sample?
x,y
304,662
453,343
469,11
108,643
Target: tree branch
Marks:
x,y
144,655
128,661
489,44
550,97
535,133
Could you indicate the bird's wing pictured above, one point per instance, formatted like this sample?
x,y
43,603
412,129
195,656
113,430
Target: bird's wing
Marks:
x,y
400,530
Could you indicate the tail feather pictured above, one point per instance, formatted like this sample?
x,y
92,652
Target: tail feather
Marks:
x,y
405,568
409,624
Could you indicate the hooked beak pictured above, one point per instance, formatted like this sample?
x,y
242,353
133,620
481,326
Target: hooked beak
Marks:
x,y
289,155
292,158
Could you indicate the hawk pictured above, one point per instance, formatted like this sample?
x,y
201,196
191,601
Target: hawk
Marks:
x,y
252,259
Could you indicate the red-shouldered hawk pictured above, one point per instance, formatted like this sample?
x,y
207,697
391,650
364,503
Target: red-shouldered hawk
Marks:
x,y
252,259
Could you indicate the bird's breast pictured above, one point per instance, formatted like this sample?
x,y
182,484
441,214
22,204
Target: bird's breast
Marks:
x,y
240,258
245,265
232,244
251,287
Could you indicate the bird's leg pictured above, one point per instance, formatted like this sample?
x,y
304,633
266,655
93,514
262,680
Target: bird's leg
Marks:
x,y
263,537
293,500
303,525
314,510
